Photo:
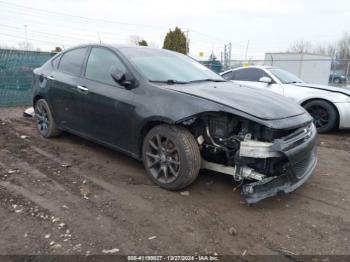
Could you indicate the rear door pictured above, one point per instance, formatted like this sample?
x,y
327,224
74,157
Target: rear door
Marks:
x,y
251,76
107,107
63,92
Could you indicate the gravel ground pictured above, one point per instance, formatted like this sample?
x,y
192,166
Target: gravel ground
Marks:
x,y
69,196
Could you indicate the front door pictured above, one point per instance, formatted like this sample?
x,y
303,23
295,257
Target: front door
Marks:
x,y
106,107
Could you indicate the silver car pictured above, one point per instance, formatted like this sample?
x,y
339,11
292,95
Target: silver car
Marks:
x,y
328,105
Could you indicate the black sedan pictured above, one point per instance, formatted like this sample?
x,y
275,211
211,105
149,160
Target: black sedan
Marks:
x,y
177,116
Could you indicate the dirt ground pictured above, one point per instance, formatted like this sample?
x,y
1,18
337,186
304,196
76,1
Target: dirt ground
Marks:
x,y
69,196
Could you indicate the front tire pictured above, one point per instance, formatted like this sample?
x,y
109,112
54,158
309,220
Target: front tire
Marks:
x,y
324,114
171,157
45,122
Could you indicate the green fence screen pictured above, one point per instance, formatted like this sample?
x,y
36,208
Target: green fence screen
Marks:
x,y
213,65
16,67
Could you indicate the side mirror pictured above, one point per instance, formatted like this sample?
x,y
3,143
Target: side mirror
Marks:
x,y
265,79
123,78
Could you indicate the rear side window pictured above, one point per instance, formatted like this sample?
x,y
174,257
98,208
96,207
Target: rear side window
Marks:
x,y
101,63
249,74
72,61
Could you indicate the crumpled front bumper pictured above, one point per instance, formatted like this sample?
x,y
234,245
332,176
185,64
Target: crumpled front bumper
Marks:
x,y
301,152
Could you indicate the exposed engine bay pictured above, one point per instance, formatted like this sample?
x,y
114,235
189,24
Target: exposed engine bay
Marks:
x,y
248,151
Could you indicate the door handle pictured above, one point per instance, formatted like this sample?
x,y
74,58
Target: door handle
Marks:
x,y
83,88
50,77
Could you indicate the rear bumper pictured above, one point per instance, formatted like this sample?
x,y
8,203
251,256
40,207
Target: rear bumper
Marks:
x,y
301,152
344,115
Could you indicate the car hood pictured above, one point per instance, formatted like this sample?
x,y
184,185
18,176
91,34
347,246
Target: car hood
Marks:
x,y
262,104
341,90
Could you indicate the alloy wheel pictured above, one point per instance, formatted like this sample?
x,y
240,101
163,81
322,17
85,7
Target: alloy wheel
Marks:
x,y
162,158
42,118
319,114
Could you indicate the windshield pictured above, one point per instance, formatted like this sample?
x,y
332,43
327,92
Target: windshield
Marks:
x,y
285,77
165,66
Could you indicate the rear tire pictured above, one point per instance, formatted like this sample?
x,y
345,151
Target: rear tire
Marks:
x,y
171,157
45,122
324,114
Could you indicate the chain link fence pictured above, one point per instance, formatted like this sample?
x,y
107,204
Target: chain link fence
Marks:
x,y
16,67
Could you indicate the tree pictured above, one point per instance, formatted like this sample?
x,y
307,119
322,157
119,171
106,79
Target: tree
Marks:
x,y
23,45
134,40
343,47
176,40
324,49
143,42
137,40
6,46
300,46
57,49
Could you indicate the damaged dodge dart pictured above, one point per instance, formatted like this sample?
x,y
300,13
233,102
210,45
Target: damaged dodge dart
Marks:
x,y
177,116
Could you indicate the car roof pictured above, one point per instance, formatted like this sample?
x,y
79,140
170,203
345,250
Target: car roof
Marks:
x,y
114,46
260,67
264,67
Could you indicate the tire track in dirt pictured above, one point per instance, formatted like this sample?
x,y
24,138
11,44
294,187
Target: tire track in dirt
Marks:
x,y
51,196
24,223
139,207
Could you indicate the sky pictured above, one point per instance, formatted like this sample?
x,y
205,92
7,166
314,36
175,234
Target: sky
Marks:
x,y
268,25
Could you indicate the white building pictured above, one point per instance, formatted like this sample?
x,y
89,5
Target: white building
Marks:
x,y
309,67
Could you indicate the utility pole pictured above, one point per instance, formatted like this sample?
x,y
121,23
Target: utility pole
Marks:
x,y
246,51
333,65
26,36
98,37
229,54
225,57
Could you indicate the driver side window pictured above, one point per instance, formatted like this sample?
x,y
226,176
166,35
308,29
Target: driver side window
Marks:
x,y
101,63
249,74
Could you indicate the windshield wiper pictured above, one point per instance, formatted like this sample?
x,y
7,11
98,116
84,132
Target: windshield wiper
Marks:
x,y
169,81
207,80
172,81
293,82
